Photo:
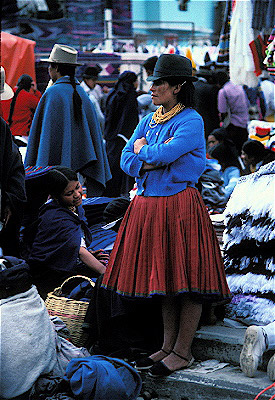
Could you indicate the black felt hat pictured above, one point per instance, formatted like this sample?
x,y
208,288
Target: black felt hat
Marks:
x,y
92,72
172,66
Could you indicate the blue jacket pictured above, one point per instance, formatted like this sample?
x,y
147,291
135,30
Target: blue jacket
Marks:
x,y
230,177
182,160
56,138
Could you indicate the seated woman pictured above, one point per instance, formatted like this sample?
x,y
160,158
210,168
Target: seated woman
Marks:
x,y
224,151
254,155
61,244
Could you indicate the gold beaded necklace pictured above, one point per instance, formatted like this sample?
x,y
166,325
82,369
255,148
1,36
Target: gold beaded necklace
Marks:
x,y
160,118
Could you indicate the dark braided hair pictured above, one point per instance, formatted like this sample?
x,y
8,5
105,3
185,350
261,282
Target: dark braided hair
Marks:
x,y
58,179
69,69
186,93
24,82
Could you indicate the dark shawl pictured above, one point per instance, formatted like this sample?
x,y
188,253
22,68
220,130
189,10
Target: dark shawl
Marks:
x,y
121,115
12,173
57,242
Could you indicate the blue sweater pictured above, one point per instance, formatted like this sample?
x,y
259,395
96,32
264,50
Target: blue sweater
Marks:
x,y
182,160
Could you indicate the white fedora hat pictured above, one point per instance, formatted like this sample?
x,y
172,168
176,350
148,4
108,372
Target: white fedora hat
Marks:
x,y
62,54
5,90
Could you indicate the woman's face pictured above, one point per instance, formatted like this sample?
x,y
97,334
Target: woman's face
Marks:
x,y
211,141
164,94
72,195
247,160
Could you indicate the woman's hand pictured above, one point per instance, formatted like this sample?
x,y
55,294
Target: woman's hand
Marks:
x,y
101,256
91,261
139,143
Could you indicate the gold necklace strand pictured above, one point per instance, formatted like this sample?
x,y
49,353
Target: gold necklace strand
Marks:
x,y
160,118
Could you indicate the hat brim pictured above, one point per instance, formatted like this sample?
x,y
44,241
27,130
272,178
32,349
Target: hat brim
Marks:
x,y
153,78
8,93
90,76
110,225
58,62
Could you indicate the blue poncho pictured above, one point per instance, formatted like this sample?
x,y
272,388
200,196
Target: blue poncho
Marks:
x,y
56,138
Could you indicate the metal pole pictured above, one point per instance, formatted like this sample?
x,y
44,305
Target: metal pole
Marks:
x,y
108,26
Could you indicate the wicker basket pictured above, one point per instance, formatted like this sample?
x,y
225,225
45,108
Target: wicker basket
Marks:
x,y
72,312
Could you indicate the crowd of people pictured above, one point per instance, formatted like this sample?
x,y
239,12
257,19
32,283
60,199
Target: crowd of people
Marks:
x,y
183,149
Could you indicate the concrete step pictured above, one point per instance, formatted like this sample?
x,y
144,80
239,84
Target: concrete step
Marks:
x,y
222,343
228,383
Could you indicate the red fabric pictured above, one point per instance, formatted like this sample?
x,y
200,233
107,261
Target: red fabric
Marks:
x,y
262,132
167,245
17,57
258,52
24,108
5,109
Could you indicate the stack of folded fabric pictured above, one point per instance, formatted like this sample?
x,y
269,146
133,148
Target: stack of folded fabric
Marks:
x,y
249,247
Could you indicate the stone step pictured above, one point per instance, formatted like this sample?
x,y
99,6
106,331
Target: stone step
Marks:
x,y
228,383
222,343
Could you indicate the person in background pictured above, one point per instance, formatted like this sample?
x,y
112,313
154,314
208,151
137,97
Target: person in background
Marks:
x,y
206,100
99,92
215,137
149,65
268,89
90,77
121,118
23,106
145,104
166,244
233,107
62,229
6,96
65,129
254,155
224,152
12,184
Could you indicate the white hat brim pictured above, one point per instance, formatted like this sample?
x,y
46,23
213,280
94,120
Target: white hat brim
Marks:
x,y
58,62
7,93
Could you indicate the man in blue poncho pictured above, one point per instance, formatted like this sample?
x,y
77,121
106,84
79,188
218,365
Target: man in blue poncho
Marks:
x,y
65,130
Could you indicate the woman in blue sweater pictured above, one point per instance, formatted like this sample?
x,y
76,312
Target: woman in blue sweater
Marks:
x,y
166,244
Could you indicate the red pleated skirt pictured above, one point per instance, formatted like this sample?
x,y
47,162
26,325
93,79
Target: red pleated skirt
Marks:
x,y
167,246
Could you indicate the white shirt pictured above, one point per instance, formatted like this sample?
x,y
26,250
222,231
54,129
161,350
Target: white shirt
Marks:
x,y
90,92
269,94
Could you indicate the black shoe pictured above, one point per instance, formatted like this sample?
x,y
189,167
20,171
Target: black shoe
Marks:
x,y
159,369
145,363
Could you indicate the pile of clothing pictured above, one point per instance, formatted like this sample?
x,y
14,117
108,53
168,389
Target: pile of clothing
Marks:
x,y
249,243
54,369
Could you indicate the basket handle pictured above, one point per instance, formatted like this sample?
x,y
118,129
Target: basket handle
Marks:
x,y
58,290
